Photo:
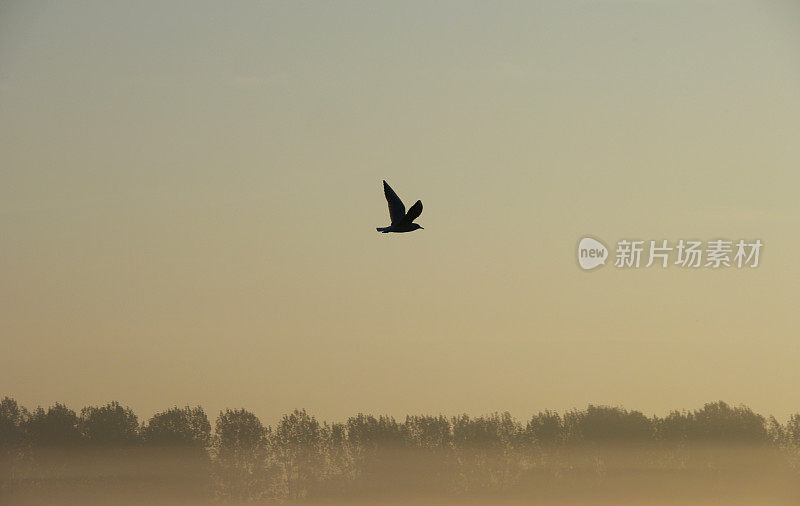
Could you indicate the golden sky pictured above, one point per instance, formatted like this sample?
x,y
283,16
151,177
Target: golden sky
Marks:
x,y
189,194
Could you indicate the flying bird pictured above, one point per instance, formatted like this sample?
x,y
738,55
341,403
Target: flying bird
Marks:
x,y
402,221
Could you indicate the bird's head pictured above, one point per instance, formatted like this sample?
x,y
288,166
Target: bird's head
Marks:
x,y
416,226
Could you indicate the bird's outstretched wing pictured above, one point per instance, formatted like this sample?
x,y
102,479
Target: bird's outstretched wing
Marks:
x,y
397,210
413,212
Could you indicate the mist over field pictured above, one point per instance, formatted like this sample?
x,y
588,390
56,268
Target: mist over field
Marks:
x,y
598,455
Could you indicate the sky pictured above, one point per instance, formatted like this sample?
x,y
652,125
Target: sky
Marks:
x,y
189,193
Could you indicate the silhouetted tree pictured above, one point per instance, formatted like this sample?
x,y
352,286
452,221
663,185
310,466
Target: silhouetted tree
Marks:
x,y
719,422
56,427
487,449
496,431
793,429
545,428
340,468
109,425
675,427
298,446
375,444
12,438
366,432
12,418
179,438
242,469
428,432
302,458
178,426
53,438
776,433
610,424
433,465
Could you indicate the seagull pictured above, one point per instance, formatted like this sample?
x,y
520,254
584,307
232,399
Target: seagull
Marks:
x,y
401,220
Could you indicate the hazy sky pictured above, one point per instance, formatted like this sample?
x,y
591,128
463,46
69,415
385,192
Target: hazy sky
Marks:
x,y
189,194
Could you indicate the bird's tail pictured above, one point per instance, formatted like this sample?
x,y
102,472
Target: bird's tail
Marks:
x,y
385,230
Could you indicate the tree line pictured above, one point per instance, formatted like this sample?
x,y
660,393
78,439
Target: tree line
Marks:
x,y
178,451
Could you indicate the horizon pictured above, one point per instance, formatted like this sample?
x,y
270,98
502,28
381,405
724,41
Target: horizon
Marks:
x,y
143,420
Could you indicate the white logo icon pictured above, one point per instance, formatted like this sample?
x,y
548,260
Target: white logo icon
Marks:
x,y
591,253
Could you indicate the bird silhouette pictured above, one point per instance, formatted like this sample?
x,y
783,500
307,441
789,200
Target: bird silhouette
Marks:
x,y
402,221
